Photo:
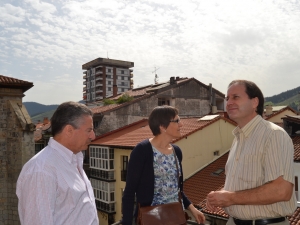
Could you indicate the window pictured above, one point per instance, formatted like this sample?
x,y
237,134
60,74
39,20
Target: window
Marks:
x,y
122,72
109,70
124,164
109,89
88,97
103,158
88,85
93,83
162,101
109,82
105,194
108,76
93,95
88,73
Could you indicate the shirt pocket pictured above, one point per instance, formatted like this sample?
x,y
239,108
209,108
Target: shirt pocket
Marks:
x,y
250,171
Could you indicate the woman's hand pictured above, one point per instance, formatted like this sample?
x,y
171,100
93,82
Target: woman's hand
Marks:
x,y
199,216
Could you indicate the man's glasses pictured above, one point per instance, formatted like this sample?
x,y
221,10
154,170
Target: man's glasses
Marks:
x,y
175,121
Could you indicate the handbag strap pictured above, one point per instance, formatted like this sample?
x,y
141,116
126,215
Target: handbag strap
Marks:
x,y
176,162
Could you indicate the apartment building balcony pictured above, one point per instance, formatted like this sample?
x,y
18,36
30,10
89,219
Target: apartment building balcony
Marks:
x,y
106,207
99,84
84,89
131,75
102,174
99,97
98,70
131,82
98,90
84,82
99,78
84,76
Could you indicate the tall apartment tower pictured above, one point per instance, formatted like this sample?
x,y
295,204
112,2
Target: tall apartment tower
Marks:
x,y
106,77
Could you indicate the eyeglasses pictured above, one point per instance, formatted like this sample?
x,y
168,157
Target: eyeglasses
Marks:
x,y
175,121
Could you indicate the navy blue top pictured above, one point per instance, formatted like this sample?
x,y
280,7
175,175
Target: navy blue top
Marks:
x,y
140,180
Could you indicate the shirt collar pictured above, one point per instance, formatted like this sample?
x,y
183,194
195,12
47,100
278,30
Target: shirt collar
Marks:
x,y
66,153
248,128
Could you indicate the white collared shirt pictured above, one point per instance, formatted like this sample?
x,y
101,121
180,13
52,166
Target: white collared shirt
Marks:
x,y
52,191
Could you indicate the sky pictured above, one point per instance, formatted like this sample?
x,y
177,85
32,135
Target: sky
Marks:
x,y
47,42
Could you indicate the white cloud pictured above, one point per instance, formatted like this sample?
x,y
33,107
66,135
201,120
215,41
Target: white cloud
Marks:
x,y
11,14
213,41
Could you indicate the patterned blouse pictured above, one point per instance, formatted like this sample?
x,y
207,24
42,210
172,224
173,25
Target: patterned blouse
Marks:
x,y
165,178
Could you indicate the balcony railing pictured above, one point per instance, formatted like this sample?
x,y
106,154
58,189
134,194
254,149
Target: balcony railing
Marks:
x,y
106,207
98,90
99,78
102,174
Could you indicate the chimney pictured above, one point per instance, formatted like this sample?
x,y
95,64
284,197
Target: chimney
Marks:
x,y
46,121
172,80
115,90
269,110
177,78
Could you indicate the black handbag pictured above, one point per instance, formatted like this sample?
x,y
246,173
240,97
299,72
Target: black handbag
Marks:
x,y
164,214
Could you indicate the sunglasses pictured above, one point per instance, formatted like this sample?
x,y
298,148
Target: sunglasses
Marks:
x,y
175,121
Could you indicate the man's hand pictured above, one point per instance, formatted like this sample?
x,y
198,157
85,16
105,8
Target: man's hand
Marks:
x,y
218,199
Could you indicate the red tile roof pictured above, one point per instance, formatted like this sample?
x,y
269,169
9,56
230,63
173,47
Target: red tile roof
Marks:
x,y
9,82
106,108
295,218
296,142
199,185
128,136
288,108
39,128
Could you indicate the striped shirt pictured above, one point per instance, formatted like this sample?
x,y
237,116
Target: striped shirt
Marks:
x,y
54,189
261,152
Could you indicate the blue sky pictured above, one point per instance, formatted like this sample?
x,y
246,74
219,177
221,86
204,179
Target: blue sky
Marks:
x,y
46,42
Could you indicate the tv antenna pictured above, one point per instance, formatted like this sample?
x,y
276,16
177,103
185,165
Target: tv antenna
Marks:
x,y
156,76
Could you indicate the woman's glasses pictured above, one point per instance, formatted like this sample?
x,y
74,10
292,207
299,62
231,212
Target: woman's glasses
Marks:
x,y
175,121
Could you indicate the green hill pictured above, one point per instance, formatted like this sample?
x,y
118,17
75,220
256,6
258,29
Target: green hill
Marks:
x,y
290,98
40,117
34,108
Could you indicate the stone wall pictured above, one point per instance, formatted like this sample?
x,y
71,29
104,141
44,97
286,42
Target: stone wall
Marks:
x,y
16,147
190,99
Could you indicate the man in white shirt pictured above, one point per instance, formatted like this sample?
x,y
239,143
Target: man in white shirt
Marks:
x,y
52,187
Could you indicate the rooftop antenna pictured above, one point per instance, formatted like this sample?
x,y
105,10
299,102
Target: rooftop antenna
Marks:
x,y
156,76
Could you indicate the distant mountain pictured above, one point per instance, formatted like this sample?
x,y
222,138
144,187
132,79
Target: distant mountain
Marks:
x,y
34,108
40,117
290,98
39,111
